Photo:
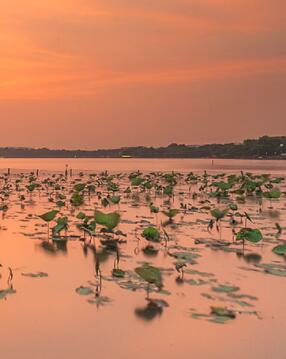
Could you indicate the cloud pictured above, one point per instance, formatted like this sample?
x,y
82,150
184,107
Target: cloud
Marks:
x,y
44,80
88,50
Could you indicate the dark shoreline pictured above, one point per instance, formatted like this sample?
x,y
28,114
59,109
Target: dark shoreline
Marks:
x,y
265,147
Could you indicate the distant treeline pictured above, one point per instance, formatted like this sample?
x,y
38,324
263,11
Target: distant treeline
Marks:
x,y
264,147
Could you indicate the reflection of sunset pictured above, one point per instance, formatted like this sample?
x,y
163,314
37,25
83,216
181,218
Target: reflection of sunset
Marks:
x,y
63,284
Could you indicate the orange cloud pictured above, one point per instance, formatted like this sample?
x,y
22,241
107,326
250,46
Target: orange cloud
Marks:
x,y
47,83
65,48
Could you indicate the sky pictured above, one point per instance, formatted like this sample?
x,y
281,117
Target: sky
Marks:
x,y
109,73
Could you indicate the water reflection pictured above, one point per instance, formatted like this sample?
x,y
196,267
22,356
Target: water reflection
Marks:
x,y
6,277
252,258
93,262
153,309
53,248
149,312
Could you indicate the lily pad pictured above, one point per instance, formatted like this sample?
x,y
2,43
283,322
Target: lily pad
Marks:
x,y
225,289
108,220
84,290
249,234
49,216
151,234
5,292
280,249
186,256
118,273
223,312
35,275
150,274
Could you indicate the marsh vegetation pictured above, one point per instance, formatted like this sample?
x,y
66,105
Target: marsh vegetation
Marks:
x,y
197,246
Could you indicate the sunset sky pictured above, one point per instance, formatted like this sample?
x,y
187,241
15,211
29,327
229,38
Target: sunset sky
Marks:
x,y
94,73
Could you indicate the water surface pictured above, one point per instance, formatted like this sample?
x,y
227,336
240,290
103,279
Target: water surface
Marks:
x,y
46,318
133,164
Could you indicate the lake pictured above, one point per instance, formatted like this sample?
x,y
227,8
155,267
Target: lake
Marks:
x,y
133,164
63,300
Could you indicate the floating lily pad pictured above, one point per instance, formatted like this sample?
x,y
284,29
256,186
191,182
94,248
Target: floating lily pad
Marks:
x,y
280,249
273,268
186,256
242,296
223,312
150,274
225,289
151,234
108,220
195,282
84,290
35,275
196,272
118,273
5,292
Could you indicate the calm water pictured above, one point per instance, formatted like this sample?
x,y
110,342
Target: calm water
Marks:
x,y
121,165
46,318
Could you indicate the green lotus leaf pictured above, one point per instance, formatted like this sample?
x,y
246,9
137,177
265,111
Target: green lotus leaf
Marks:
x,y
62,223
274,194
81,216
150,274
171,213
77,199
225,289
79,187
280,249
249,234
151,234
35,275
115,199
84,290
108,220
168,191
49,216
118,273
219,214
223,312
136,181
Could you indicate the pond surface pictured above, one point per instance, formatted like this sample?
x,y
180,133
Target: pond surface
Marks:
x,y
62,300
143,164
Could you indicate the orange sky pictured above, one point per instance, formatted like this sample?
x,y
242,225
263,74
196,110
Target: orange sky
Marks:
x,y
94,73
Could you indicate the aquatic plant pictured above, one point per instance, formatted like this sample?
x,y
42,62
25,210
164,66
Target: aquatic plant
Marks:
x,y
151,275
108,220
151,234
250,235
171,213
49,217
